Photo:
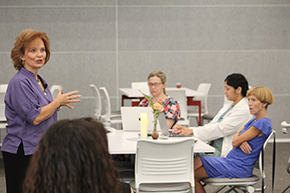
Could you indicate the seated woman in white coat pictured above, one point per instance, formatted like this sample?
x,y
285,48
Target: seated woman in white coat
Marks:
x,y
229,119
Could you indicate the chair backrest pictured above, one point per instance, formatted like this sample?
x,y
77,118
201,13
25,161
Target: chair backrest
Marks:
x,y
97,95
261,160
54,90
180,96
143,86
3,88
161,161
107,103
285,130
2,106
204,88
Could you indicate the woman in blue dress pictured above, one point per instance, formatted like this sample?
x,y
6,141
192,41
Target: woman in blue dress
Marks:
x,y
247,144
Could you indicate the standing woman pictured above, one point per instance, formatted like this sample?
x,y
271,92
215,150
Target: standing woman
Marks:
x,y
247,144
157,84
29,106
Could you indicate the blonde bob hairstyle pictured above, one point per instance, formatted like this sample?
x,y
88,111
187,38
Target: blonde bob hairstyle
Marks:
x,y
21,42
263,94
160,75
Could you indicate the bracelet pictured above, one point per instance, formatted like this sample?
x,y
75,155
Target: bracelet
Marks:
x,y
58,108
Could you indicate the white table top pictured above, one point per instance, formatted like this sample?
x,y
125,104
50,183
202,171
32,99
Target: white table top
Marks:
x,y
133,92
122,142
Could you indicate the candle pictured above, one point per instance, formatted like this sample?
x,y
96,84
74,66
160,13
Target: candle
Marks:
x,y
143,125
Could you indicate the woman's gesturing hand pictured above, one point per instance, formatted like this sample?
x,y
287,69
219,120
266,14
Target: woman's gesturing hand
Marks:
x,y
67,98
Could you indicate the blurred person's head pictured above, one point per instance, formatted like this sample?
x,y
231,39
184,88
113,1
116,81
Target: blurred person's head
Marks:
x,y
72,156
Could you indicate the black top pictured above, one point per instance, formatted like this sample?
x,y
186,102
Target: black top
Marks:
x,y
126,187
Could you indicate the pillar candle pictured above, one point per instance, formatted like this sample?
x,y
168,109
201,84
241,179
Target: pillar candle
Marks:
x,y
143,125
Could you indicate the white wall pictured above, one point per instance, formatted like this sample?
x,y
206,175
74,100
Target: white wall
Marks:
x,y
114,42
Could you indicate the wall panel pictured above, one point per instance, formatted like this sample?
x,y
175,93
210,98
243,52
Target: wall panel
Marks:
x,y
114,42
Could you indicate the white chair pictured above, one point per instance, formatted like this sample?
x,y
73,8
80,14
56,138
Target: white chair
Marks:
x,y
160,166
2,107
208,117
142,86
246,184
286,129
54,90
204,88
3,121
109,117
98,108
3,88
180,96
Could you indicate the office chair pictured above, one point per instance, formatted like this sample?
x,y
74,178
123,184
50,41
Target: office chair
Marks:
x,y
2,107
109,117
246,184
142,86
180,96
3,121
160,166
286,129
3,87
209,117
98,102
54,90
204,88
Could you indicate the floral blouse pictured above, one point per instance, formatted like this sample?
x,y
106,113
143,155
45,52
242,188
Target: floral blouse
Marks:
x,y
171,108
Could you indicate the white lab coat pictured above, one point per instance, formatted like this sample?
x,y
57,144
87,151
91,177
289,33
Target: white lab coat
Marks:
x,y
234,120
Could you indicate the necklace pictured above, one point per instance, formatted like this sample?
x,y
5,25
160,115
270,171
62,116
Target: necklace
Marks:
x,y
41,86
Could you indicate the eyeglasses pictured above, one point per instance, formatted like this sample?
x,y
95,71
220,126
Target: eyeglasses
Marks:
x,y
155,84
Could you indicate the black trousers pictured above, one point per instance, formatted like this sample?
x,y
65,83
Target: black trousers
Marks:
x,y
15,168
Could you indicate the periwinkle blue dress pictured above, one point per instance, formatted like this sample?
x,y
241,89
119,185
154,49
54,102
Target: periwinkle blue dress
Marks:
x,y
237,164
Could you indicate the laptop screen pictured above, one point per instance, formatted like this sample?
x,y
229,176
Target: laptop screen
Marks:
x,y
131,118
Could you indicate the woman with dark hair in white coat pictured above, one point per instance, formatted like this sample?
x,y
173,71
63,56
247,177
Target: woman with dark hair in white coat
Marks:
x,y
231,117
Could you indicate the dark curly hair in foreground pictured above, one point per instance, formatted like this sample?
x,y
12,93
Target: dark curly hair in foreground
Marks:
x,y
73,157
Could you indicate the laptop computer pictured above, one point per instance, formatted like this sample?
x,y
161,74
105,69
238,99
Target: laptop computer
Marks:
x,y
164,128
131,118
